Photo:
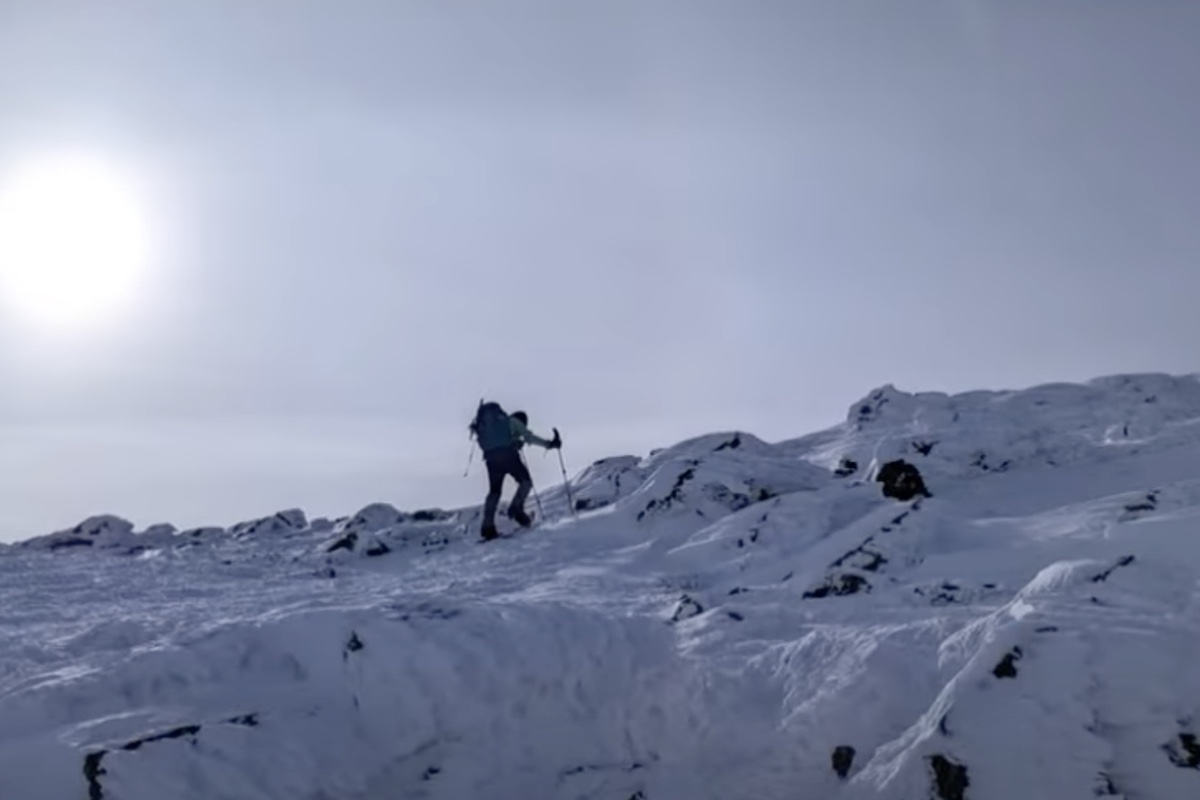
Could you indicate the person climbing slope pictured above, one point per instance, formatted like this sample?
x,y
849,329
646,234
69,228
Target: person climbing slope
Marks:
x,y
501,436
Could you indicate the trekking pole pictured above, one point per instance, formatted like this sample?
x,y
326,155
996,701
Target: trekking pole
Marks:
x,y
566,483
536,497
470,459
474,441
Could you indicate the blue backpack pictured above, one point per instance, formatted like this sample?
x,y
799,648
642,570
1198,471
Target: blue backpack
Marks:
x,y
491,428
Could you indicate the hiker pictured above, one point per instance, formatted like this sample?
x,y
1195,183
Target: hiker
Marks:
x,y
501,436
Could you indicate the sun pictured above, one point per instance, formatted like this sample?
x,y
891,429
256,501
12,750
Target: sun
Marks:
x,y
73,240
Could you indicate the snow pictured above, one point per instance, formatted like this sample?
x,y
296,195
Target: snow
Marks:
x,y
723,618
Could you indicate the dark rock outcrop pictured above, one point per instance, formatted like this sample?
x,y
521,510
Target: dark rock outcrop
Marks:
x,y
943,594
843,760
290,521
902,481
346,542
93,769
950,779
92,772
431,515
864,557
378,548
980,462
839,586
1184,752
1101,577
1007,668
1105,786
686,609
674,496
1149,503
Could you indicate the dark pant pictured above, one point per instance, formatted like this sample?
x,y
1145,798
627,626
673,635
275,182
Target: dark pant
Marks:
x,y
501,464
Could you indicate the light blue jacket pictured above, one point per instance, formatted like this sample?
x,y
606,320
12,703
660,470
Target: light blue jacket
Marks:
x,y
521,435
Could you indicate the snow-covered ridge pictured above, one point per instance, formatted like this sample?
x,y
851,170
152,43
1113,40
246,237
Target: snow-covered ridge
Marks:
x,y
723,618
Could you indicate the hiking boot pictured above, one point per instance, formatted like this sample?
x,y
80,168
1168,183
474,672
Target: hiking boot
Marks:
x,y
520,517
488,532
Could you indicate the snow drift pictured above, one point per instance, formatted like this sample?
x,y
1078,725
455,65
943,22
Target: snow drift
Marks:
x,y
724,618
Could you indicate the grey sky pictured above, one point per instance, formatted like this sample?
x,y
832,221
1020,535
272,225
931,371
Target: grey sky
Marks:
x,y
637,220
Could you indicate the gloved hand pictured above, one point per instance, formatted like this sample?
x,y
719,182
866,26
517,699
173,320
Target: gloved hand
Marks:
x,y
556,442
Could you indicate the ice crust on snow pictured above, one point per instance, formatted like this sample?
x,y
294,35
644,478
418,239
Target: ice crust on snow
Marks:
x,y
724,618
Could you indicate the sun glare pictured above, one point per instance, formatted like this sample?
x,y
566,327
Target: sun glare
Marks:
x,y
73,241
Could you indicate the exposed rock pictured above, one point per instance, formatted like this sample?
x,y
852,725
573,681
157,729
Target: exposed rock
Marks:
x,y
104,525
863,557
950,779
1149,503
846,467
586,768
869,409
284,522
1124,561
346,542
839,585
92,762
719,493
764,494
589,504
1105,786
99,531
431,515
732,444
901,481
1007,668
943,594
206,532
247,720
674,496
92,771
1185,751
436,541
378,548
372,518
425,610
686,609
355,542
980,462
843,760
62,544
174,733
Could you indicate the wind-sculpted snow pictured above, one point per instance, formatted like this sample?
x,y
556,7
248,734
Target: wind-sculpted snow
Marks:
x,y
980,433
723,618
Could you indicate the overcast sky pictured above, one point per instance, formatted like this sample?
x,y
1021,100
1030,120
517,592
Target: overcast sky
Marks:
x,y
639,220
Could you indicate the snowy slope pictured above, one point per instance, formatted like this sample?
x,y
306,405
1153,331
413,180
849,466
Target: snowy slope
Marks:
x,y
725,618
